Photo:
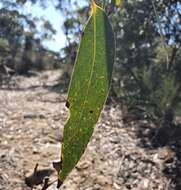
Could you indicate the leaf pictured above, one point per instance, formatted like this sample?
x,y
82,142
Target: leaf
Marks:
x,y
88,88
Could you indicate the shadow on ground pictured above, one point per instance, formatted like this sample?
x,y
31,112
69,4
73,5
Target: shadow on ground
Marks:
x,y
58,85
152,137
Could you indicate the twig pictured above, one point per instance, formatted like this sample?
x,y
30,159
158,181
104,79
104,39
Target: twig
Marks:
x,y
34,173
174,52
47,184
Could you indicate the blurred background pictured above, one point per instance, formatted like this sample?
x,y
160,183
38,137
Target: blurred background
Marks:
x,y
39,35
38,46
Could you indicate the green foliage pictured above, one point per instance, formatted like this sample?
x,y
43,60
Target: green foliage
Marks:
x,y
89,87
20,48
158,92
147,71
148,46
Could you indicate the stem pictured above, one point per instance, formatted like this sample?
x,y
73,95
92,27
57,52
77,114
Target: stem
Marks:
x,y
174,52
103,4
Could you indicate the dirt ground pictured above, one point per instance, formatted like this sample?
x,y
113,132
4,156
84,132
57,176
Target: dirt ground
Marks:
x,y
119,156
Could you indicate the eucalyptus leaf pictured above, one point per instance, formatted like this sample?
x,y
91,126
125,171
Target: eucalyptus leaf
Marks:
x,y
88,88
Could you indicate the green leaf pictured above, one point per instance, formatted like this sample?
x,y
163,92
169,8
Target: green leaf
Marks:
x,y
89,87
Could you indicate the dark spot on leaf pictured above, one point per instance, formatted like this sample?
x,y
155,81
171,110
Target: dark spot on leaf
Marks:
x,y
67,104
82,34
91,111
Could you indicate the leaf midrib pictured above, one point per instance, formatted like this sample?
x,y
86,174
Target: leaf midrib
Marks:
x,y
91,74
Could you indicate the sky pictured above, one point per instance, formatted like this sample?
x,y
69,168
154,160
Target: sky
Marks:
x,y
56,19
54,16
